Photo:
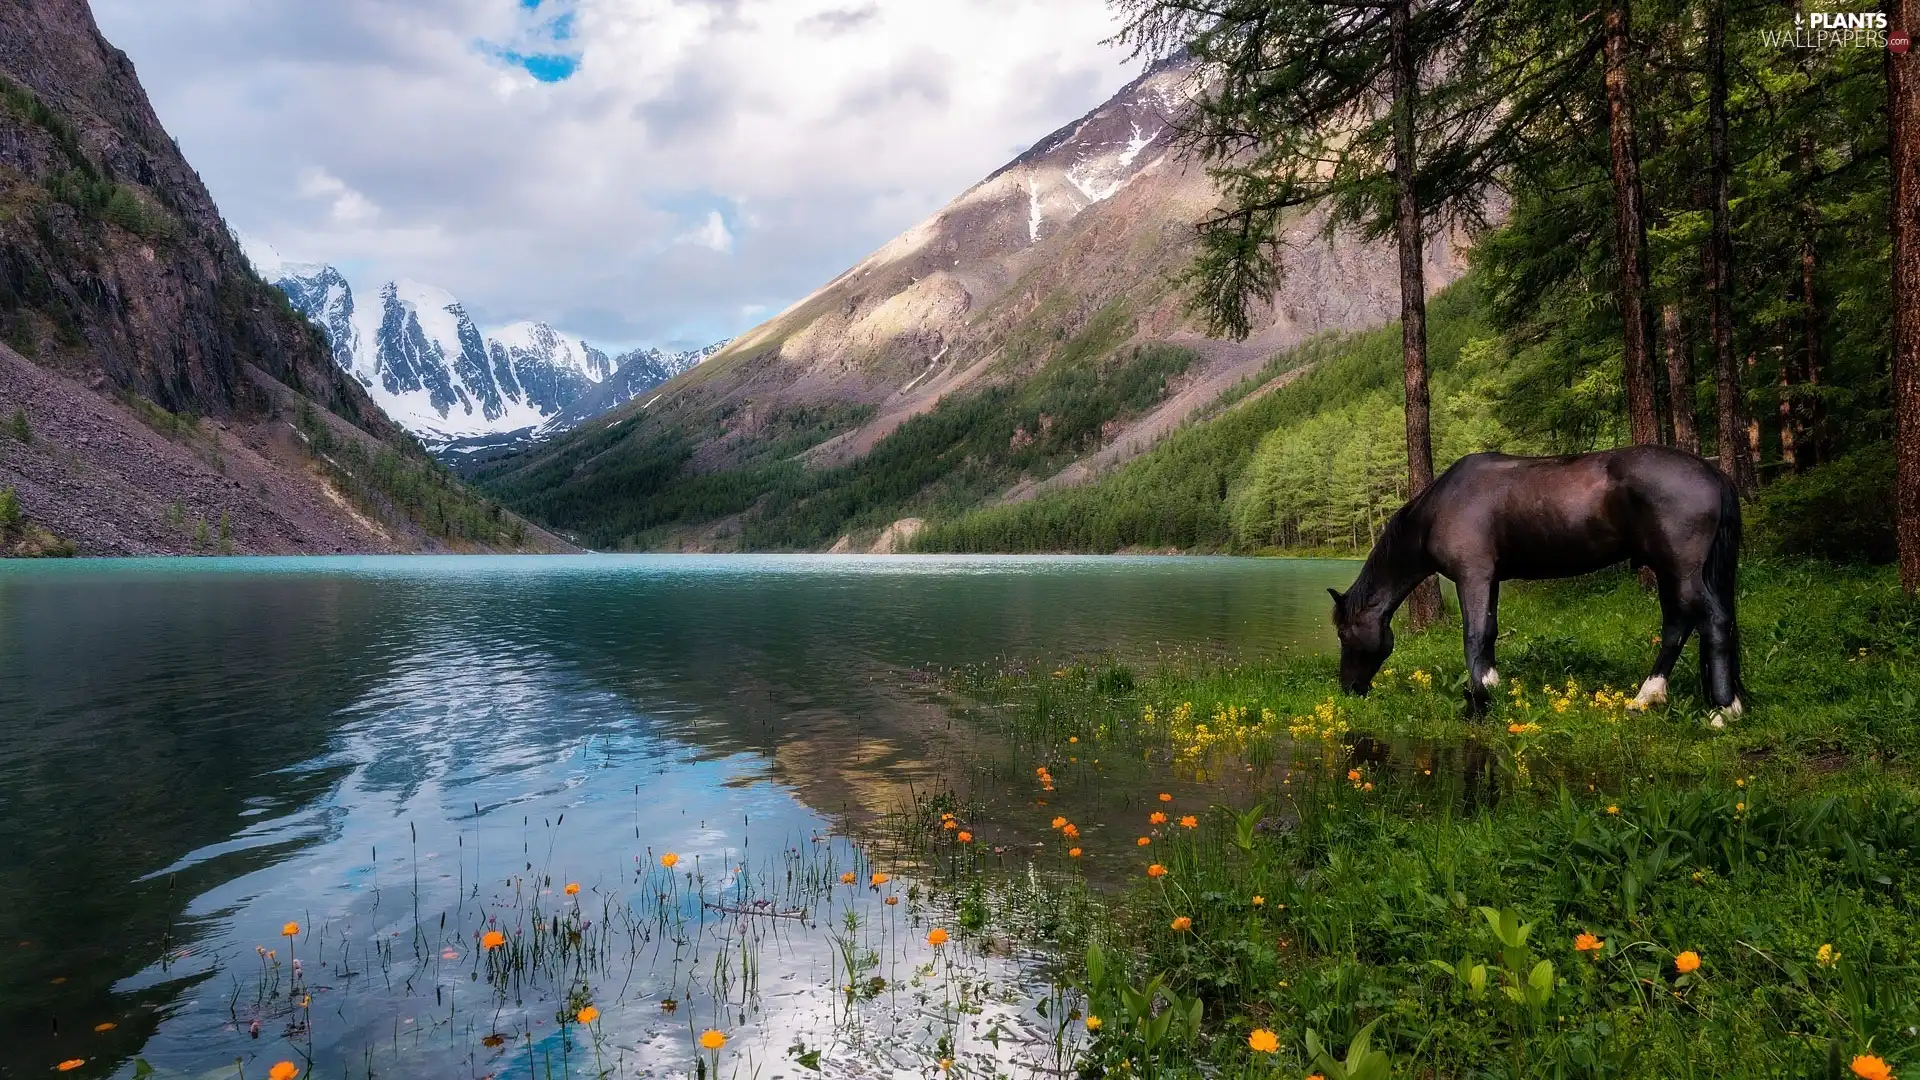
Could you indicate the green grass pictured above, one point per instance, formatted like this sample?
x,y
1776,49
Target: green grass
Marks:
x,y
1375,831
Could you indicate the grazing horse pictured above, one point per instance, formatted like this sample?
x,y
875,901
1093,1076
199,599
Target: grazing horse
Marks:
x,y
1495,517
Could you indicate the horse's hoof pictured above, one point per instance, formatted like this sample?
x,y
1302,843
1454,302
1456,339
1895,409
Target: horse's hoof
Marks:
x,y
1717,721
1652,692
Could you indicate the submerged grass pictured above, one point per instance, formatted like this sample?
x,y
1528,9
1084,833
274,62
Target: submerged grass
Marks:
x,y
1380,887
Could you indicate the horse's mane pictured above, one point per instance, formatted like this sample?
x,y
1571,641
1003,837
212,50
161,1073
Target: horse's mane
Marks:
x,y
1397,548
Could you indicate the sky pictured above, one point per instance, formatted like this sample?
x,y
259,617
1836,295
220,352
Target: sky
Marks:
x,y
634,172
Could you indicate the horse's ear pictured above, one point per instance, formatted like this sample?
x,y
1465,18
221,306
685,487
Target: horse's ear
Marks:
x,y
1339,600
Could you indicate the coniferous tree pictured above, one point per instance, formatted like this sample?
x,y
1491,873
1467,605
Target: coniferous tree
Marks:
x,y
1903,121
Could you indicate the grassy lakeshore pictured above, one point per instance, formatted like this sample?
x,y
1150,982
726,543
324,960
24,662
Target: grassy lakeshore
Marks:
x,y
1570,888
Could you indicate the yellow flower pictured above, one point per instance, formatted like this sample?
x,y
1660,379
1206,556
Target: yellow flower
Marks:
x,y
573,888
1263,1041
1156,870
292,929
493,939
1739,808
1182,924
1156,818
1866,1066
1613,809
1164,797
1093,1023
588,1015
1828,956
946,1064
879,880
669,859
712,1039
936,937
1587,943
283,1070
847,878
1189,822
1259,901
1686,962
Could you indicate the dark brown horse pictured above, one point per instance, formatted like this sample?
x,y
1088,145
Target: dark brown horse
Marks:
x,y
1493,517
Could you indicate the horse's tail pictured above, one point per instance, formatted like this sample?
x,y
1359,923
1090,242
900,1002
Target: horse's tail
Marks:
x,y
1721,573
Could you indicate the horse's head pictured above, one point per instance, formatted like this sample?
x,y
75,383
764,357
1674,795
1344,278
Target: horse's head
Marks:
x,y
1366,639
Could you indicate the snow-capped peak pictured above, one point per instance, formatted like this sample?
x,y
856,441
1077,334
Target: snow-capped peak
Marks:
x,y
422,359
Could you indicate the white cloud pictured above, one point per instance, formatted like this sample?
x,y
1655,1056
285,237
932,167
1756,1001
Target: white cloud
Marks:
x,y
413,138
712,235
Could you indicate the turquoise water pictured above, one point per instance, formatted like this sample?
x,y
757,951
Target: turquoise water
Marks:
x,y
195,752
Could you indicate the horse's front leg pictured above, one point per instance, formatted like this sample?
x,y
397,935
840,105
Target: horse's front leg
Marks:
x,y
1680,609
1479,614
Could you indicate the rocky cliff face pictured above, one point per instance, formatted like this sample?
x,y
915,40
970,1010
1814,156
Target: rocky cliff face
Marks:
x,y
120,280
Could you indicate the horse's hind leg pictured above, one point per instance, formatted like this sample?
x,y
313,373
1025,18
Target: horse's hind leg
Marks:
x,y
1680,610
1479,604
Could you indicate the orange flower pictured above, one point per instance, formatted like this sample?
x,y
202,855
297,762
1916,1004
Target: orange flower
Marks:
x,y
879,879
108,1026
1073,738
936,937
712,1039
1156,818
1070,831
669,860
1073,853
892,900
1866,1066
1587,943
1686,962
292,929
965,837
1353,775
1164,797
847,878
71,1064
1182,924
1059,823
949,824
283,1070
1189,822
588,1015
1143,841
493,939
1156,870
573,888
1264,1041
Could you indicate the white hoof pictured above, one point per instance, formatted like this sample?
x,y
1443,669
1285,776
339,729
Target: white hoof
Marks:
x,y
1652,692
1719,718
1491,679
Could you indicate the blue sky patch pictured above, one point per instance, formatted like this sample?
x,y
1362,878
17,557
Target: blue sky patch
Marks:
x,y
546,67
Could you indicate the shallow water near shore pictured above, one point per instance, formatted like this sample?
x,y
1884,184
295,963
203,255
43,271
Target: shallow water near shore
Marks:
x,y
402,754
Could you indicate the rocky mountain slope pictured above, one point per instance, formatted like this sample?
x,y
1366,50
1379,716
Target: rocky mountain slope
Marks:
x,y
461,392
1005,345
153,387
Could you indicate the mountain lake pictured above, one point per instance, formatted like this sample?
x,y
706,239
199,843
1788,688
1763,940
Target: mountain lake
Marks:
x,y
334,811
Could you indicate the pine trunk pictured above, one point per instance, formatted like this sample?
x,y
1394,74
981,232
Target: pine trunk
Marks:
x,y
1423,607
1735,459
1808,420
1680,399
1903,116
1629,230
